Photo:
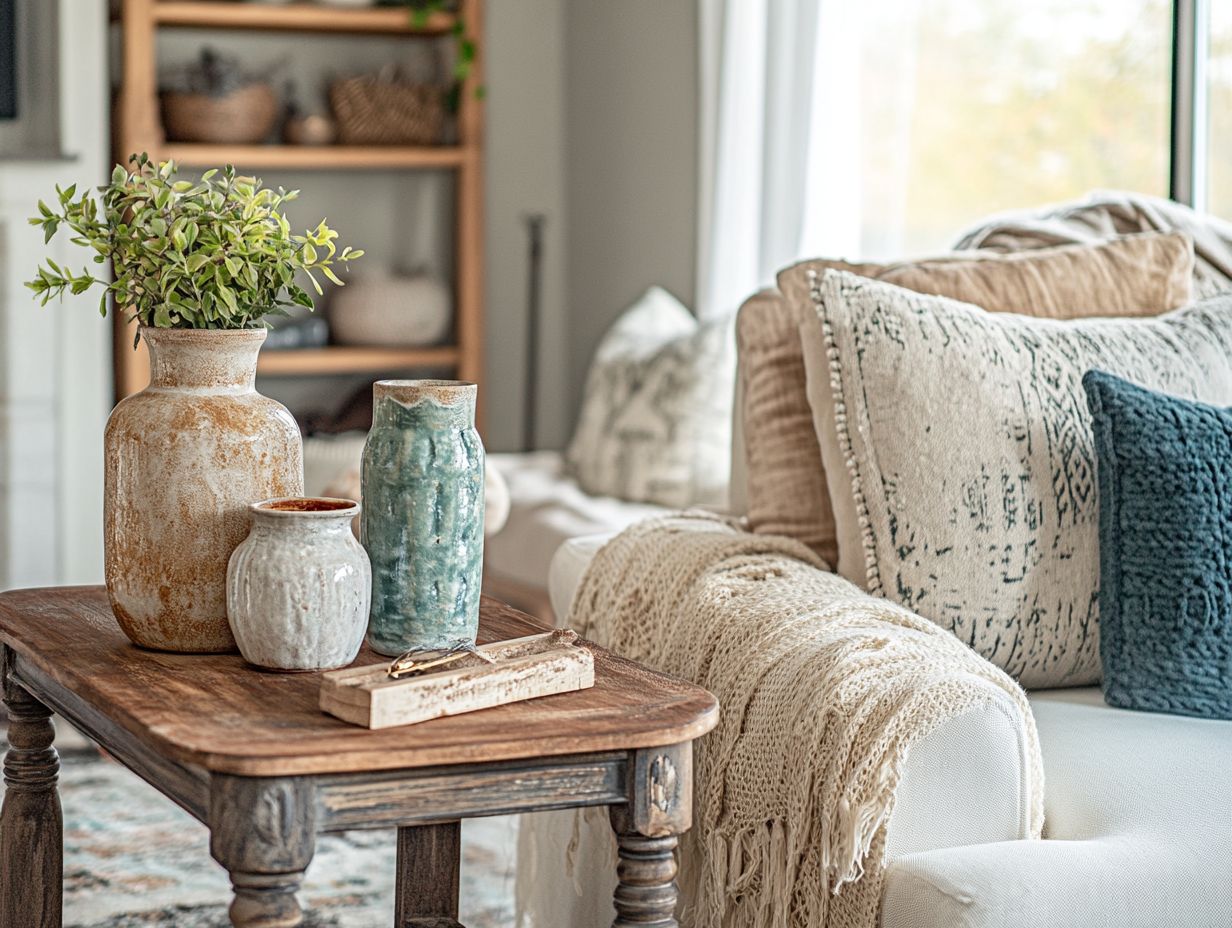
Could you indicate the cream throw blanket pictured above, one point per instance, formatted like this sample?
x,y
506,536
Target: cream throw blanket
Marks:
x,y
1113,212
823,690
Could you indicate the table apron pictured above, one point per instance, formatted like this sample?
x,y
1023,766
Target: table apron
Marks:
x,y
188,787
361,800
414,797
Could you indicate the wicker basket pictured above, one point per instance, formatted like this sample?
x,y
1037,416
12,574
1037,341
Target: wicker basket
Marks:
x,y
244,116
385,109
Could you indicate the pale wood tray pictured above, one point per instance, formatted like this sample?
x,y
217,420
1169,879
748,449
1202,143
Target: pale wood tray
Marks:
x,y
524,668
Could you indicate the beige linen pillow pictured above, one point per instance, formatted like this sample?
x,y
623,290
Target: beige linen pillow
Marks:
x,y
1134,275
969,455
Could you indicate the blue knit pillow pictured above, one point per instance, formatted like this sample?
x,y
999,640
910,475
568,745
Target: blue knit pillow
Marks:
x,y
1165,539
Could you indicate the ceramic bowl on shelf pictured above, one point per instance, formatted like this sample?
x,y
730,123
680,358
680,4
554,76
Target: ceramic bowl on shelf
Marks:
x,y
309,130
392,311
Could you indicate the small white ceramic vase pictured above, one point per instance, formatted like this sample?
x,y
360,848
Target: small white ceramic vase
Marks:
x,y
299,586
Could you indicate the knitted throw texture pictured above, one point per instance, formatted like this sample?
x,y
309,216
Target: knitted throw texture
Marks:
x,y
823,690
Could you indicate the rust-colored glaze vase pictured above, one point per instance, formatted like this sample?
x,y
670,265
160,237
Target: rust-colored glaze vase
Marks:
x,y
184,459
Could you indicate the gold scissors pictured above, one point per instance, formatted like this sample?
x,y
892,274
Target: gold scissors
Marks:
x,y
418,660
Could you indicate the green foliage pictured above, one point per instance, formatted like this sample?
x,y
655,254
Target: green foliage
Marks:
x,y
465,48
211,254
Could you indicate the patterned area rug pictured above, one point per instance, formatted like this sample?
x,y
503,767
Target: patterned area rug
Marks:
x,y
133,859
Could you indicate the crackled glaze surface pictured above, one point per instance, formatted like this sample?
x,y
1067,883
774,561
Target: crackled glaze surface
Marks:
x,y
183,460
298,586
422,523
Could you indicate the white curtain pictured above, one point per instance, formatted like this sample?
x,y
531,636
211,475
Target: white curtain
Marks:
x,y
783,135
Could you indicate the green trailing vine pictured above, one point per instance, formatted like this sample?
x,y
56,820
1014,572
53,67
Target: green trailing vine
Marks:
x,y
466,51
217,253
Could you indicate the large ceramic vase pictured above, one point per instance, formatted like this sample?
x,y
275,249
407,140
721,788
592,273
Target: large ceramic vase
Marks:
x,y
184,458
422,522
298,586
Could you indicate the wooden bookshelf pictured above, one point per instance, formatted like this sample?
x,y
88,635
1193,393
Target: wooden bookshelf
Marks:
x,y
339,360
296,17
139,129
317,157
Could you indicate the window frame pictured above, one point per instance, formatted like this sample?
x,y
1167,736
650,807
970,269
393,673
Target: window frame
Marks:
x,y
1188,174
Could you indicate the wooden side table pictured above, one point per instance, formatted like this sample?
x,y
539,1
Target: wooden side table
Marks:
x,y
250,755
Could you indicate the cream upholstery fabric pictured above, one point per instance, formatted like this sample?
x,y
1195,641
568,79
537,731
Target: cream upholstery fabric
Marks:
x,y
568,564
1135,275
965,443
329,458
737,487
546,509
1138,832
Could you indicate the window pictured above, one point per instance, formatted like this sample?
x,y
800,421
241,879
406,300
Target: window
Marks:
x,y
1219,103
969,107
879,129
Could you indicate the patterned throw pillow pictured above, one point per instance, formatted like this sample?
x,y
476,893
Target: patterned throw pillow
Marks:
x,y
1165,549
968,445
655,425
1132,275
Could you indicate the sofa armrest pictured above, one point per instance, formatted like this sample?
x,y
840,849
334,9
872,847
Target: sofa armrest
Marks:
x,y
966,782
568,565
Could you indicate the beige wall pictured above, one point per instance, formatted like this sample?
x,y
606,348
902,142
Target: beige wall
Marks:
x,y
592,120
631,147
525,174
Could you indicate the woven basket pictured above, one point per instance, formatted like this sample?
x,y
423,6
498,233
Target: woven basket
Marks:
x,y
244,116
380,109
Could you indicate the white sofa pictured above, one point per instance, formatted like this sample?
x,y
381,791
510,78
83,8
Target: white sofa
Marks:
x,y
1138,815
1138,828
547,508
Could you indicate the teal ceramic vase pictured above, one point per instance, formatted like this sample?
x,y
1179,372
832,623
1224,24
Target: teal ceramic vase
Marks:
x,y
422,520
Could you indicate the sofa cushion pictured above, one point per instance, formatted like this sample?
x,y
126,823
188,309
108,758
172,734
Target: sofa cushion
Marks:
x,y
655,423
1138,832
784,490
965,445
1165,498
1134,275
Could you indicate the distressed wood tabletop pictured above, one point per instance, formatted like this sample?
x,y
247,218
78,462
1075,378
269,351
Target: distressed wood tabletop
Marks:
x,y
218,713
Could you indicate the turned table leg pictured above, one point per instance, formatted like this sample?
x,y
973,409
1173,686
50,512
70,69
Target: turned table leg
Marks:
x,y
427,886
659,809
263,831
31,826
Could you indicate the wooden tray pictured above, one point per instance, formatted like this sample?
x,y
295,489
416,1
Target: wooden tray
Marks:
x,y
538,665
